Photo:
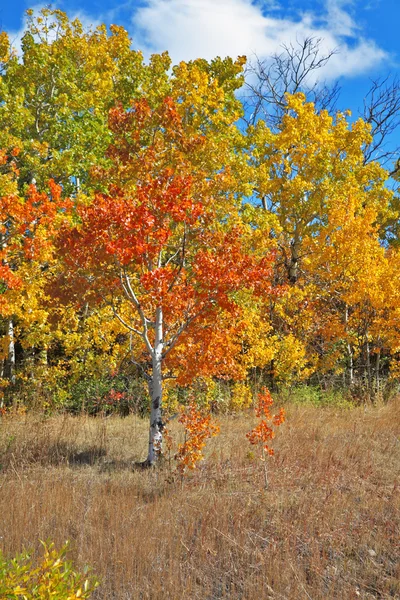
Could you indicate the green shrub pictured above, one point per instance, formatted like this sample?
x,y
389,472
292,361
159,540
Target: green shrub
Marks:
x,y
315,396
108,395
53,577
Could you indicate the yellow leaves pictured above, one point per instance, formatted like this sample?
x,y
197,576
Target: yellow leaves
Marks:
x,y
5,50
171,403
290,359
257,350
241,396
4,344
53,577
260,223
323,205
311,175
207,88
20,591
305,154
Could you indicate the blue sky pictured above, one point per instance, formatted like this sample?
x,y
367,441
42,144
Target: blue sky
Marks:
x,y
364,32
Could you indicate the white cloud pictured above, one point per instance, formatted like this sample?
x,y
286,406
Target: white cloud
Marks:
x,y
189,29
338,18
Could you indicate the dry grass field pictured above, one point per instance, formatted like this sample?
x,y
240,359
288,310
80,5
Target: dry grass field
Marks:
x,y
327,527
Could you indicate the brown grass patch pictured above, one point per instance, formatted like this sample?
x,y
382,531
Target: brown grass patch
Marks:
x,y
327,527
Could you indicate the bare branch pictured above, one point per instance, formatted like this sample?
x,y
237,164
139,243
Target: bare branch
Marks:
x,y
382,111
293,70
174,339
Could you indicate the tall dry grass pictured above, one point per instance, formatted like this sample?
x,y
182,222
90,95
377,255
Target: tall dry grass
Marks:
x,y
327,527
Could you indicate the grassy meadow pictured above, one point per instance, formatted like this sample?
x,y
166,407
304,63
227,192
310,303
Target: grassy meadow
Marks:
x,y
327,526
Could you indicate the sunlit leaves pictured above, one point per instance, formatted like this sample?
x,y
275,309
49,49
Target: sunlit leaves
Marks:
x,y
263,433
198,428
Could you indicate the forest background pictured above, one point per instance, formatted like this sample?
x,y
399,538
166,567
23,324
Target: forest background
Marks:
x,y
313,193
310,186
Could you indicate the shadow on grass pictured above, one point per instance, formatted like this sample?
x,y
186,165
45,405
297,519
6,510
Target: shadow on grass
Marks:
x,y
90,456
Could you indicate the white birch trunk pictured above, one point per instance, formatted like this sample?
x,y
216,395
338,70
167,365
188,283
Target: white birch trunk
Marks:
x,y
349,351
155,390
11,350
9,365
377,367
369,376
293,267
351,366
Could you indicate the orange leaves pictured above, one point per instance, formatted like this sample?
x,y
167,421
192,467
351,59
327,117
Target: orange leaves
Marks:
x,y
169,237
158,283
3,157
226,264
27,227
135,227
263,433
7,156
169,196
198,428
156,154
162,245
7,277
149,139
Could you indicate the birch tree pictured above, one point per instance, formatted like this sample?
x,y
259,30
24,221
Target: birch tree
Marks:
x,y
165,244
169,254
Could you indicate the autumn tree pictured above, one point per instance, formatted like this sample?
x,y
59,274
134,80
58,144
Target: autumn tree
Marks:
x,y
55,98
157,166
54,104
165,244
300,66
312,176
28,225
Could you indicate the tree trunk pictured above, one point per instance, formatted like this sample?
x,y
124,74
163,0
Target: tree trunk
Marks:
x,y
11,351
351,365
274,387
155,390
350,362
367,369
377,367
293,266
369,375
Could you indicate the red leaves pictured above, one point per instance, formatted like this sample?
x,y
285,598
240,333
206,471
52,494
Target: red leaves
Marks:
x,y
167,241
198,428
27,228
169,198
168,234
263,433
157,282
227,266
135,228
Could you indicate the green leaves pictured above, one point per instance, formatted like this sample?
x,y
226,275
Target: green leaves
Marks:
x,y
53,576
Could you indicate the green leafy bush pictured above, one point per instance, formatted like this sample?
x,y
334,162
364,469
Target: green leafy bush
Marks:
x,y
108,395
53,577
315,396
